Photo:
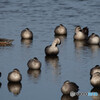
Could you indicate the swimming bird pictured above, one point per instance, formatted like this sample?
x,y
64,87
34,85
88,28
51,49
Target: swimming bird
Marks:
x,y
26,34
95,69
81,34
5,42
14,76
34,63
69,87
94,39
85,30
60,30
95,80
52,50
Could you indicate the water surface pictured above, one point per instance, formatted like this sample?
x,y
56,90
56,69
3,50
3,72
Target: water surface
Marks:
x,y
74,60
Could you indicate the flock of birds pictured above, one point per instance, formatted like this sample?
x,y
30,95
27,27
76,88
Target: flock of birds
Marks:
x,y
52,51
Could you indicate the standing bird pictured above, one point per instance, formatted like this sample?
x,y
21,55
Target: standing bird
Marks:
x,y
52,50
26,34
81,34
60,30
69,87
14,76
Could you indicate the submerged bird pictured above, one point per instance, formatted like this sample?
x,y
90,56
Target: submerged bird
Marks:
x,y
95,69
94,39
69,87
95,80
52,50
4,42
26,34
34,63
60,30
14,76
81,34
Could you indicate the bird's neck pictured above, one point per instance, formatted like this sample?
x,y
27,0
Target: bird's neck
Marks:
x,y
54,44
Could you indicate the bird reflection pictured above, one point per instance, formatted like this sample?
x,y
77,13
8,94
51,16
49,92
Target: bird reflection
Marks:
x,y
80,49
68,97
0,84
62,38
79,44
26,42
94,48
15,88
34,74
98,91
53,61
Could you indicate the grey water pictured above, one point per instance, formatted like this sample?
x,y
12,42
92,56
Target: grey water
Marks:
x,y
74,60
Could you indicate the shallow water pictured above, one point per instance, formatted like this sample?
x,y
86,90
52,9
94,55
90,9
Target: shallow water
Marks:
x,y
74,60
